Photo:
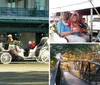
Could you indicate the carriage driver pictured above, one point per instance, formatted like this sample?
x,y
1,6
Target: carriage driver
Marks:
x,y
10,38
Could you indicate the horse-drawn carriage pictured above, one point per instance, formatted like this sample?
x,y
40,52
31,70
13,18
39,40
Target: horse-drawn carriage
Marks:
x,y
89,9
40,53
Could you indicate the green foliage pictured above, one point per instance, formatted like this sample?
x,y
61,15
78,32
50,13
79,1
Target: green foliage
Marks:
x,y
52,63
76,49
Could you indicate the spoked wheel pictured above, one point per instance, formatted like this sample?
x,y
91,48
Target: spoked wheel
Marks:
x,y
6,58
45,57
45,60
38,59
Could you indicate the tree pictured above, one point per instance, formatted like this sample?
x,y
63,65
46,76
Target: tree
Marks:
x,y
76,49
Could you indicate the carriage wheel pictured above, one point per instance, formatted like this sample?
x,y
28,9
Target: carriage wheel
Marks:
x,y
45,56
45,60
6,58
38,59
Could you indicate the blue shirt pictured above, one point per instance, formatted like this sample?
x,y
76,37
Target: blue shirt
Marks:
x,y
62,28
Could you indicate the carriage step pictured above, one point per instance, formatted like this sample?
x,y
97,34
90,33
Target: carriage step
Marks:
x,y
29,59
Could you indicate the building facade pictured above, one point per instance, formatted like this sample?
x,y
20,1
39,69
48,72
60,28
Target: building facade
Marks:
x,y
26,20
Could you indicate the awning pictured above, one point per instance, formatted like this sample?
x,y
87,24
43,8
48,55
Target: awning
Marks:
x,y
23,21
23,29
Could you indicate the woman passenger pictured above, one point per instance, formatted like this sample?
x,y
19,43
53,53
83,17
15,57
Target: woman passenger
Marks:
x,y
75,25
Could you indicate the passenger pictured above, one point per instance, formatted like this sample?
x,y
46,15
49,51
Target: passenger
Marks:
x,y
16,50
19,49
65,31
32,45
84,29
75,25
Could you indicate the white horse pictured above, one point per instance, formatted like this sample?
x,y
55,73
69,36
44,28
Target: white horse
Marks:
x,y
55,38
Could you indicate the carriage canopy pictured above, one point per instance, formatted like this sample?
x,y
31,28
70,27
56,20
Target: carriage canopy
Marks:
x,y
70,5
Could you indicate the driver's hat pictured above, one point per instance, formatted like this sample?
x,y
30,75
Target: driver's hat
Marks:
x,y
9,35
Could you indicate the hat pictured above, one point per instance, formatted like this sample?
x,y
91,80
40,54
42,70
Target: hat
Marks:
x,y
9,35
29,42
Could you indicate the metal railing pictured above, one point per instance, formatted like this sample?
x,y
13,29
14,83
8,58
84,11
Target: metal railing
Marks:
x,y
56,75
29,12
88,70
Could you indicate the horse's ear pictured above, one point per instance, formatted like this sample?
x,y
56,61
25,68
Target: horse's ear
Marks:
x,y
54,28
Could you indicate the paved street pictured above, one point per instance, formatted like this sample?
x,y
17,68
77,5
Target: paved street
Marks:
x,y
23,67
24,73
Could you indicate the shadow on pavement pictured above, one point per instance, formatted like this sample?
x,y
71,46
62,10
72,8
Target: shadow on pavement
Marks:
x,y
24,78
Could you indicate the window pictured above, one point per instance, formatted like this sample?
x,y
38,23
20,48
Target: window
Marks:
x,y
37,6
12,3
40,4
